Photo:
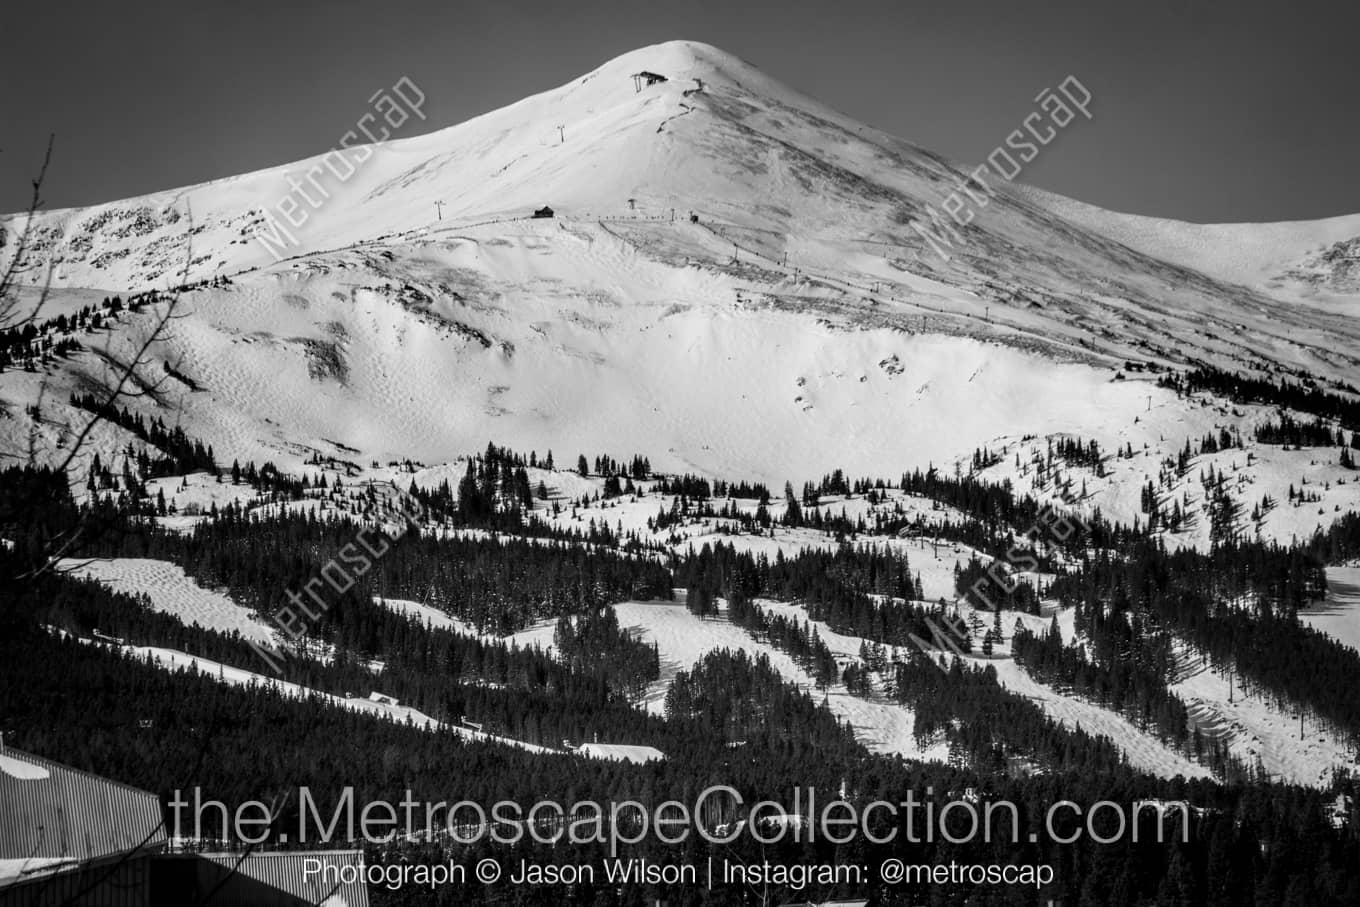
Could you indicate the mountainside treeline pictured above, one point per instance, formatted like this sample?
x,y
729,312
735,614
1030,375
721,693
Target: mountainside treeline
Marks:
x,y
1303,396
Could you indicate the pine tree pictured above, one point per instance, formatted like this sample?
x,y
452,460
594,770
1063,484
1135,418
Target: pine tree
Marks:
x,y
793,514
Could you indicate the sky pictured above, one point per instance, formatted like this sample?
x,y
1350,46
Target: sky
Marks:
x,y
1205,111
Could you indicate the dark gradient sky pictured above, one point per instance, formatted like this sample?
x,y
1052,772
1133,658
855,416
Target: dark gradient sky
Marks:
x,y
1206,111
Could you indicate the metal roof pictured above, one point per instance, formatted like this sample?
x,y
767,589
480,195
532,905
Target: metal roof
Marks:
x,y
49,811
273,879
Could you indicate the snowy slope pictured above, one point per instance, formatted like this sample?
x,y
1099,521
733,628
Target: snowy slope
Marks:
x,y
1339,615
1313,261
775,177
1264,733
427,616
170,590
1252,472
173,660
801,324
684,639
1144,750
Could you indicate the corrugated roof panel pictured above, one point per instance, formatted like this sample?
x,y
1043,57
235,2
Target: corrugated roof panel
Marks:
x,y
287,874
113,882
54,811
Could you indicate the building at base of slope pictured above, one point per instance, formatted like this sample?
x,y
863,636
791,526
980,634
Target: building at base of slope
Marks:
x,y
68,837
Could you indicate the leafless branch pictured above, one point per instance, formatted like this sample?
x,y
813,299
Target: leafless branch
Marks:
x,y
124,377
10,304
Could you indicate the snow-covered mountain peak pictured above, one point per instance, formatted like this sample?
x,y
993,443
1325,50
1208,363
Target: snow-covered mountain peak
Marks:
x,y
663,132
715,236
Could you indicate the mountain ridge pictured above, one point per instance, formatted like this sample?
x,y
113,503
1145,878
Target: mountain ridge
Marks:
x,y
799,322
602,108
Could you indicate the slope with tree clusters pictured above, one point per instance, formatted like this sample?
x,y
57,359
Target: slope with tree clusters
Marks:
x,y
777,490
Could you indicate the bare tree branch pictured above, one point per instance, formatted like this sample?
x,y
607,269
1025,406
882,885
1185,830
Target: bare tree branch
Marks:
x,y
10,315
123,377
